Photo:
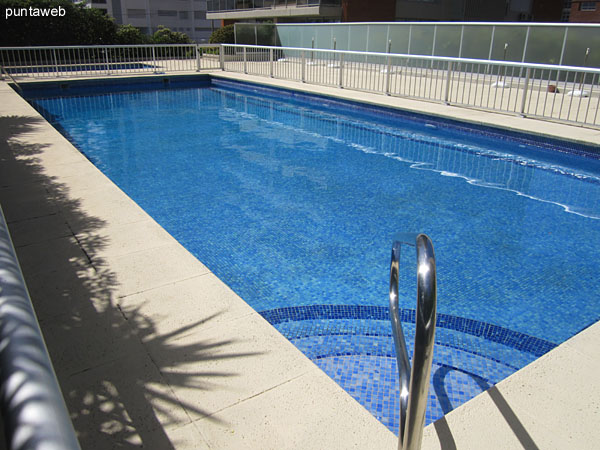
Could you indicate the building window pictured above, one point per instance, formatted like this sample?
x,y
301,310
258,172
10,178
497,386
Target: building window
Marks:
x,y
200,15
136,13
167,13
99,1
587,6
184,15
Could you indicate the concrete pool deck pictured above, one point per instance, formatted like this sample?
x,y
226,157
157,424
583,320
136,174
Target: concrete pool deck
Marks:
x,y
151,349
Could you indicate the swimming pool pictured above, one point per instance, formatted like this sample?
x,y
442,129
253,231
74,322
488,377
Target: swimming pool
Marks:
x,y
293,200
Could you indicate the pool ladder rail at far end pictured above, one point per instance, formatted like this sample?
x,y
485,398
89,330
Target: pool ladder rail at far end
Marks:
x,y
414,382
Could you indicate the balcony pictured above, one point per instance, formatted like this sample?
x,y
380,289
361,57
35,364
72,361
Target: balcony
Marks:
x,y
265,9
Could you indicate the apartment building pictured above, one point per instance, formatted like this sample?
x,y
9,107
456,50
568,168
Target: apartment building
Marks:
x,y
185,16
584,12
385,10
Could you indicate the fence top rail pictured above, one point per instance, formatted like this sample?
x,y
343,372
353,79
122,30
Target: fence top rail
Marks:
x,y
429,58
101,47
504,24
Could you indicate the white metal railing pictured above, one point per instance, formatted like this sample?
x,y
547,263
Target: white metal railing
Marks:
x,y
74,61
560,93
565,93
217,6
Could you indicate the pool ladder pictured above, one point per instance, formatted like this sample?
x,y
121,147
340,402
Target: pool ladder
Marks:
x,y
414,383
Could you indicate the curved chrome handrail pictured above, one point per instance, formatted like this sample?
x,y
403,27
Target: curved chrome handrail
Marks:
x,y
414,388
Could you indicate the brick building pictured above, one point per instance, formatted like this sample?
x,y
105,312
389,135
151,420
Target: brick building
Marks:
x,y
585,12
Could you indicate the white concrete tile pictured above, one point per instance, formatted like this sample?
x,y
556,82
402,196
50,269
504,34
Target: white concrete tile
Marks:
x,y
149,269
82,291
220,366
117,240
125,403
60,253
38,229
182,307
308,412
562,380
587,342
187,437
81,340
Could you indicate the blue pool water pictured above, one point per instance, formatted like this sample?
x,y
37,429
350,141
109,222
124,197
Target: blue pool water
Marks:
x,y
293,201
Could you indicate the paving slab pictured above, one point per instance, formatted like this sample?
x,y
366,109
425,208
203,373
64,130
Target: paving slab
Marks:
x,y
133,408
249,424
213,368
151,268
179,308
114,240
35,230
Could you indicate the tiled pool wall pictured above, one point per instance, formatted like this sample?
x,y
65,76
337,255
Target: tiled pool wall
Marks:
x,y
385,112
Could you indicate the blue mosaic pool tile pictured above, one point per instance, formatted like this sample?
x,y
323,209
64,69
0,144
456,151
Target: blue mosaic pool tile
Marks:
x,y
358,353
490,332
397,114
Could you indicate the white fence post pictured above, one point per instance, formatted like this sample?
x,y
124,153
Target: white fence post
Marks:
x,y
388,74
106,61
448,81
525,90
341,79
303,62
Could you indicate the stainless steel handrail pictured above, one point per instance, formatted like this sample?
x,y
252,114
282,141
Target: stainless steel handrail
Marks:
x,y
414,388
33,409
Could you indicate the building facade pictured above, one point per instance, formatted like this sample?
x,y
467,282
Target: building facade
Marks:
x,y
585,12
281,11
385,10
185,16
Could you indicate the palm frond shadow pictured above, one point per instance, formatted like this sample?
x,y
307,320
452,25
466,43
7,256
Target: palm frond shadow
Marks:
x,y
118,394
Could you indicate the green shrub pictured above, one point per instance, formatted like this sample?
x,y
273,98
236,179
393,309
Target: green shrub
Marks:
x,y
130,35
166,36
224,35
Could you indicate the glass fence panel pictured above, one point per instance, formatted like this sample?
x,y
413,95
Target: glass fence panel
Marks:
x,y
544,42
245,34
289,36
266,34
357,41
309,32
421,40
323,37
399,36
578,41
341,33
447,40
377,38
544,45
476,42
509,43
